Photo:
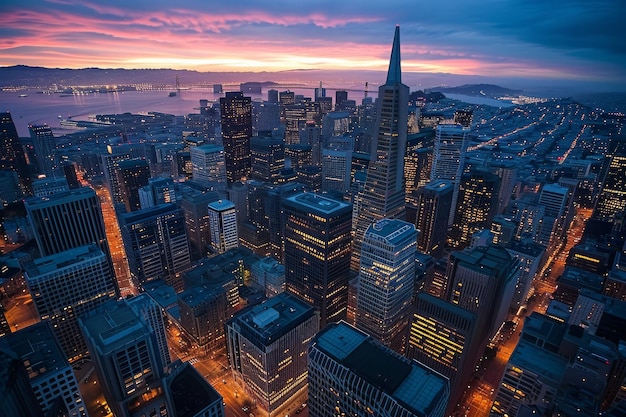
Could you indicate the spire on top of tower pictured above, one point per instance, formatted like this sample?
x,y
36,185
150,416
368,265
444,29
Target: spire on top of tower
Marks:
x,y
394,75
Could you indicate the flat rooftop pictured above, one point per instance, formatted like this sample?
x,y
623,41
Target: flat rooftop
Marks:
x,y
412,384
38,348
267,322
114,324
318,203
191,393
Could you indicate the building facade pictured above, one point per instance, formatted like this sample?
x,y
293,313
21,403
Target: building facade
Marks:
x,y
350,373
267,346
317,252
386,281
383,195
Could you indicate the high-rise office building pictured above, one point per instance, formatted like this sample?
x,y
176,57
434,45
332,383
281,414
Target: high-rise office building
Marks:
x,y
49,374
47,186
317,252
482,280
336,164
383,195
340,97
386,281
132,174
223,225
156,244
45,148
110,165
236,114
267,158
267,346
611,198
127,358
476,206
446,338
352,374
146,308
209,166
66,285
269,275
159,190
67,220
433,202
11,154
451,141
195,205
203,312
17,398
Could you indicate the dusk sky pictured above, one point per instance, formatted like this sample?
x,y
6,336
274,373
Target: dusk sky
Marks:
x,y
573,40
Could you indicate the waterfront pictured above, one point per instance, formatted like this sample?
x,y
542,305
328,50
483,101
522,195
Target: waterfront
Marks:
x,y
34,107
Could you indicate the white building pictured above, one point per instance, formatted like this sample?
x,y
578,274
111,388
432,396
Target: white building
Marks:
x,y
223,225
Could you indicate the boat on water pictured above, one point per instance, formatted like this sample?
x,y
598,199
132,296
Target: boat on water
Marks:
x,y
172,94
23,95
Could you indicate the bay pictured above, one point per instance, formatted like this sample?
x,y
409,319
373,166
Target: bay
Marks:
x,y
34,107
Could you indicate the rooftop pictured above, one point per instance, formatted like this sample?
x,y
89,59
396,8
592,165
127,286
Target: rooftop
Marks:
x,y
549,366
54,263
318,203
38,348
267,322
113,325
391,231
417,387
190,392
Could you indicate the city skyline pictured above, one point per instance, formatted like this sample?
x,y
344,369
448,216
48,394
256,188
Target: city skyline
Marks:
x,y
577,42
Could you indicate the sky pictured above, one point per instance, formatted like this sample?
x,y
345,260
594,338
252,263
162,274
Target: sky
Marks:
x,y
574,40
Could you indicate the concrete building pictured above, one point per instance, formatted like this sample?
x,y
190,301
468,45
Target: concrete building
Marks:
x,y
351,373
386,281
223,225
267,345
317,252
126,356
67,285
49,374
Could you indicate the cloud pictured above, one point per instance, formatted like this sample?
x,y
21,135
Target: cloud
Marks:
x,y
546,38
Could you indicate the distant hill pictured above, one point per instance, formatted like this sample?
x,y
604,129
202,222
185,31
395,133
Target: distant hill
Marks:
x,y
478,90
26,76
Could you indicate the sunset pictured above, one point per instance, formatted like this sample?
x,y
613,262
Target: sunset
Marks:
x,y
574,41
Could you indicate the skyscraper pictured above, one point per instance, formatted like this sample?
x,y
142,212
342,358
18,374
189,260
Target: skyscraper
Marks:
x,y
49,374
156,244
386,281
383,195
476,206
209,166
611,198
236,114
67,220
45,148
11,153
267,158
431,220
317,252
354,375
66,285
451,141
131,176
126,356
223,225
267,346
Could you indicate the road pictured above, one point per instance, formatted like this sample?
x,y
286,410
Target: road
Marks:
x,y
478,398
116,246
